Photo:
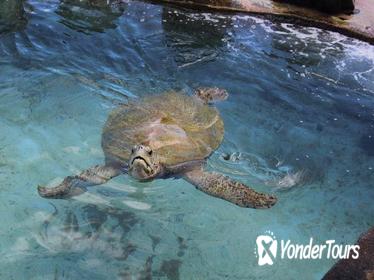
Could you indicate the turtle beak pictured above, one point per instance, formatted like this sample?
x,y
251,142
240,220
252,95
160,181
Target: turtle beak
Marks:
x,y
141,163
141,166
139,172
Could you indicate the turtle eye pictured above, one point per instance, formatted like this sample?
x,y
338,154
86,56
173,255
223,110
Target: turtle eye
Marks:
x,y
148,150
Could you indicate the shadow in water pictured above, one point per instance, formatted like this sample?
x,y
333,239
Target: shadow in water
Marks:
x,y
89,227
12,15
192,37
109,232
89,16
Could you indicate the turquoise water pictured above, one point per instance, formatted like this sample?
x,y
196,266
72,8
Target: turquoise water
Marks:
x,y
299,122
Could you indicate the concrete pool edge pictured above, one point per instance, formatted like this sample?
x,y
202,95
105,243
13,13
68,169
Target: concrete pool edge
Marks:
x,y
359,25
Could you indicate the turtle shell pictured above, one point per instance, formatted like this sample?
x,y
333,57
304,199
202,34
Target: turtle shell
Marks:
x,y
178,127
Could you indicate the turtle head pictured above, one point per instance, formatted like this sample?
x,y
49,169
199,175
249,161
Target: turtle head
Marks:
x,y
144,164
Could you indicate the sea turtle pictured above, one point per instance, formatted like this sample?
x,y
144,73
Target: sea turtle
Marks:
x,y
163,136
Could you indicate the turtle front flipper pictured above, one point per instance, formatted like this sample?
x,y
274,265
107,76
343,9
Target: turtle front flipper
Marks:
x,y
225,188
211,94
74,185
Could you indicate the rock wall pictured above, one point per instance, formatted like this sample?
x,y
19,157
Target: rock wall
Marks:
x,y
327,6
361,268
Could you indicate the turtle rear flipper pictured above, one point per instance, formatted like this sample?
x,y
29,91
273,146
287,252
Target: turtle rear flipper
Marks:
x,y
223,187
211,94
75,185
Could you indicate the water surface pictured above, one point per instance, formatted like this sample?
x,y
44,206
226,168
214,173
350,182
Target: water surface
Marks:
x,y
299,122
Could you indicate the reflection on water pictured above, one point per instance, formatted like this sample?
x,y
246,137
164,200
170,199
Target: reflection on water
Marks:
x,y
90,15
12,15
193,39
299,121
